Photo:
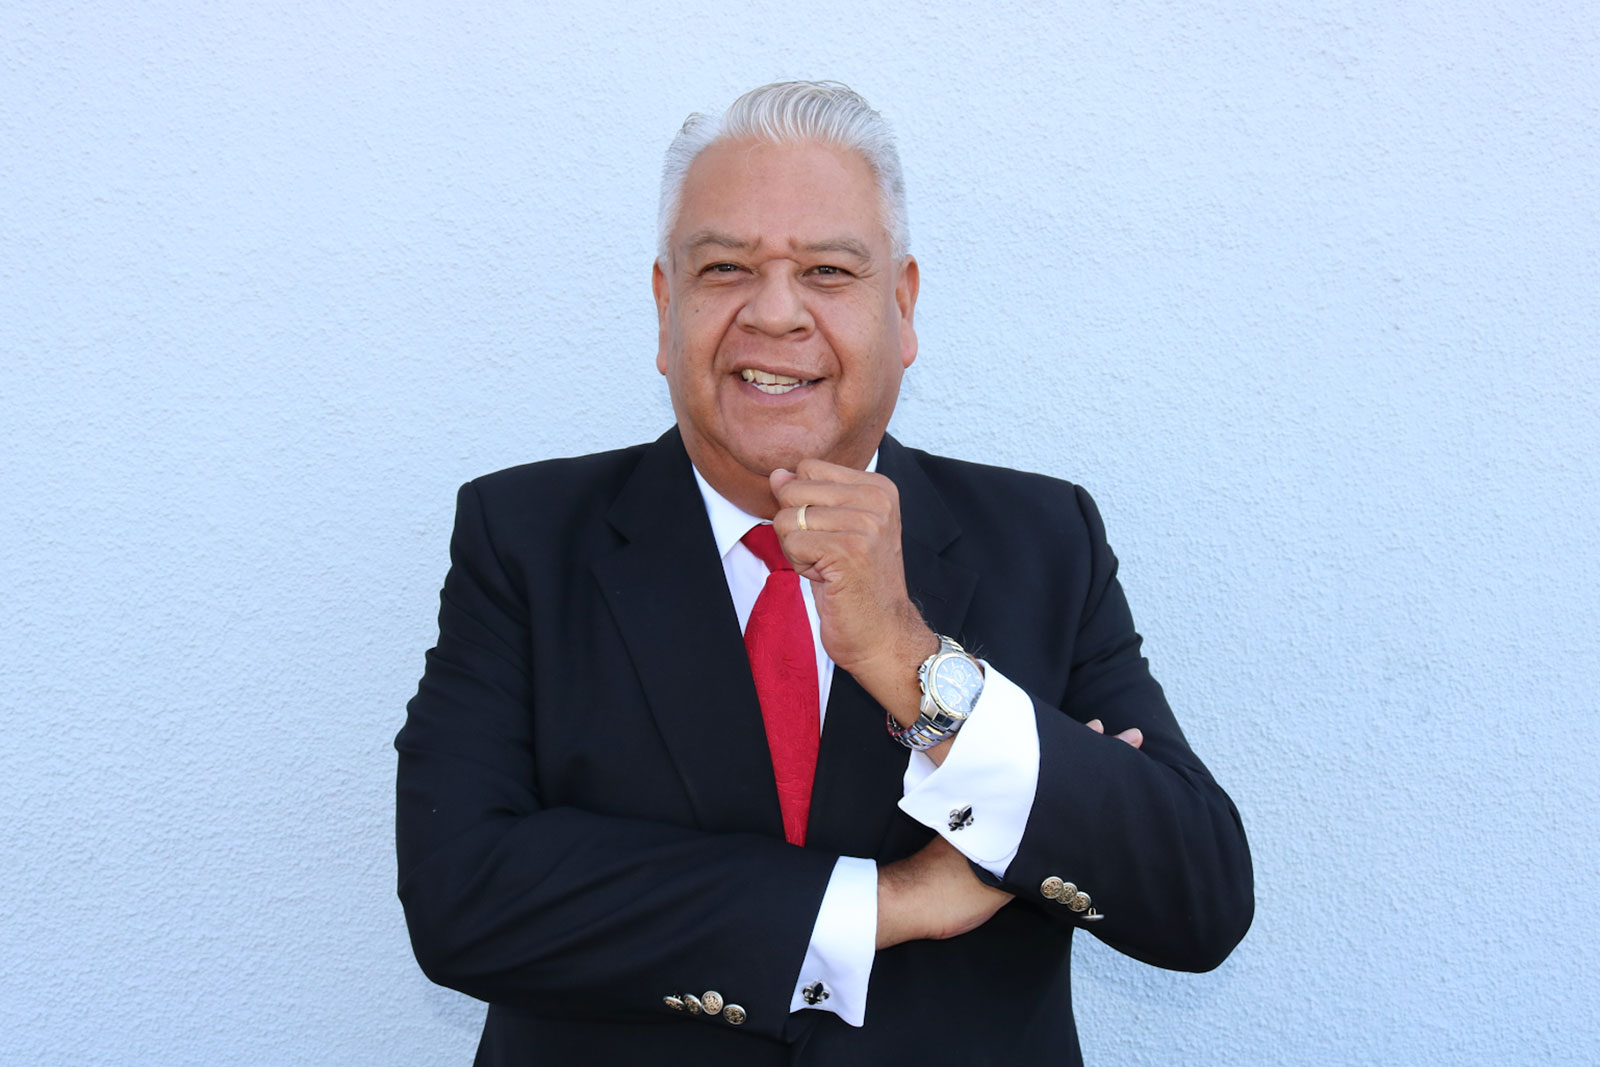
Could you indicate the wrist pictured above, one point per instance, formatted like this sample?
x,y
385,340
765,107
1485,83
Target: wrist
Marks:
x,y
889,673
900,918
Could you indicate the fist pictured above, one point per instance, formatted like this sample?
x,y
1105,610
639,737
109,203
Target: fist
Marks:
x,y
849,549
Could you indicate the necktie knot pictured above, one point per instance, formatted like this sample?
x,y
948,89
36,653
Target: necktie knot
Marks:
x,y
763,541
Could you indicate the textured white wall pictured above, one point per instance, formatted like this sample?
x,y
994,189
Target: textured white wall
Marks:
x,y
1305,293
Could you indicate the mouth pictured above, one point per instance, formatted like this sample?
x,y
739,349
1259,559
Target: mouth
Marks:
x,y
773,384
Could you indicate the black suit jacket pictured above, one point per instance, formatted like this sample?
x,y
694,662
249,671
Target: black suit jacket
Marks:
x,y
587,818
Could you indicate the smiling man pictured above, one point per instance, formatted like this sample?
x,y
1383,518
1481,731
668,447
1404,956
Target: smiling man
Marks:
x,y
701,768
786,314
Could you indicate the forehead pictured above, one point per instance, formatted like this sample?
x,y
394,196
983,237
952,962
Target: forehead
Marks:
x,y
781,195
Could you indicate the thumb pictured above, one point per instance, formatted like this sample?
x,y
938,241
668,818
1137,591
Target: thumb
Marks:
x,y
780,478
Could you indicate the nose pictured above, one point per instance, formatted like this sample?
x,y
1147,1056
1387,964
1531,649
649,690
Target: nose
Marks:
x,y
776,306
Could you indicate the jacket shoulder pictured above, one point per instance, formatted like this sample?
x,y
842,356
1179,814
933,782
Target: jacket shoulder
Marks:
x,y
567,486
976,492
550,510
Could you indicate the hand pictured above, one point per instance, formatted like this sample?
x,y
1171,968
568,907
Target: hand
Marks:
x,y
933,895
1132,735
850,551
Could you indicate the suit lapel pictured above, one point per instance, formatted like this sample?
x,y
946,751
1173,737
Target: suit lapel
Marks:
x,y
860,767
669,596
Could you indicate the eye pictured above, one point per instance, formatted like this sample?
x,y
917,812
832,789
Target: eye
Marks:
x,y
721,268
828,270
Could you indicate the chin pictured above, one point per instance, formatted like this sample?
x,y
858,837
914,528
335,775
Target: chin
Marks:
x,y
765,461
767,455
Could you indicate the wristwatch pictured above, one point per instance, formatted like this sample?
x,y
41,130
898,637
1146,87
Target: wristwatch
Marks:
x,y
951,682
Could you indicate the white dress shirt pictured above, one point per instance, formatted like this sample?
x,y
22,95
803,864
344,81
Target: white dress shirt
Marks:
x,y
992,768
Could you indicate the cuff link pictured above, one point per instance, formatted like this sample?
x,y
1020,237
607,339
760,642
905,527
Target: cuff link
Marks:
x,y
815,993
960,817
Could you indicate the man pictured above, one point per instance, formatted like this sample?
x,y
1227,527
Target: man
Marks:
x,y
680,786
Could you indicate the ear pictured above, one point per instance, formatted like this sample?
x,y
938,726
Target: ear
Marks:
x,y
658,286
905,301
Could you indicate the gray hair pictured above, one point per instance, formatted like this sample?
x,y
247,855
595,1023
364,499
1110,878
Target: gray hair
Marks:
x,y
786,113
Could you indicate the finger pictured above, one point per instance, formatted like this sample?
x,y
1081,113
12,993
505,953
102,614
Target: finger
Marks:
x,y
824,519
813,550
821,470
1133,735
1096,725
820,516
780,478
877,495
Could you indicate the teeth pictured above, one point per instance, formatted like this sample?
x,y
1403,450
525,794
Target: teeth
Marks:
x,y
750,374
768,382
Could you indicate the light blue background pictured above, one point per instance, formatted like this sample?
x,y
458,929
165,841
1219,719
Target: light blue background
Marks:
x,y
1307,294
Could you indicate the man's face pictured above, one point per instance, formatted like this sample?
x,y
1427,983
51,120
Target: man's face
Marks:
x,y
785,319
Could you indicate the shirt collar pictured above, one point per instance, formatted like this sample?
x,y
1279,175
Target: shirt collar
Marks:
x,y
730,522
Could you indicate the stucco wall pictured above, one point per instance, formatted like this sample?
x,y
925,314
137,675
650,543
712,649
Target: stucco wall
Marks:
x,y
1307,294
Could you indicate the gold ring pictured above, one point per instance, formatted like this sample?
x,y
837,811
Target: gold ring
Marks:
x,y
800,519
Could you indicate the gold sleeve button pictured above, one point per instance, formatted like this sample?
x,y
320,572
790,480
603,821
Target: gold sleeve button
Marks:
x,y
691,1002
675,1003
711,1001
1051,888
734,1014
1079,901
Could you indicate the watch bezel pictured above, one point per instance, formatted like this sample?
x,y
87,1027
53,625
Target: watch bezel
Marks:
x,y
942,664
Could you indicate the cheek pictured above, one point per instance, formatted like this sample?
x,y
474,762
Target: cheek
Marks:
x,y
698,330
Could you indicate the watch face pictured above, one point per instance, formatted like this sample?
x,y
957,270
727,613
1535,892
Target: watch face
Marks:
x,y
956,683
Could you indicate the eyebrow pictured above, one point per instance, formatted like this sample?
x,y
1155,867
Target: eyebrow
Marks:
x,y
718,239
847,245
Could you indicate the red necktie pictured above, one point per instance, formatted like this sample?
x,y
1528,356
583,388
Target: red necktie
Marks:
x,y
783,663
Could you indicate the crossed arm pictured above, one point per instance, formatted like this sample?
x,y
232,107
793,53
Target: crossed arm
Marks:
x,y
594,915
850,550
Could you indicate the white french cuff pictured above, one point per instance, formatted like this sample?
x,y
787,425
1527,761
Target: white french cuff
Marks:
x,y
979,799
838,965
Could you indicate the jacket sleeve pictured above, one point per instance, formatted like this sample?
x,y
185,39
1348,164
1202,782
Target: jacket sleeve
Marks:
x,y
554,909
1146,834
